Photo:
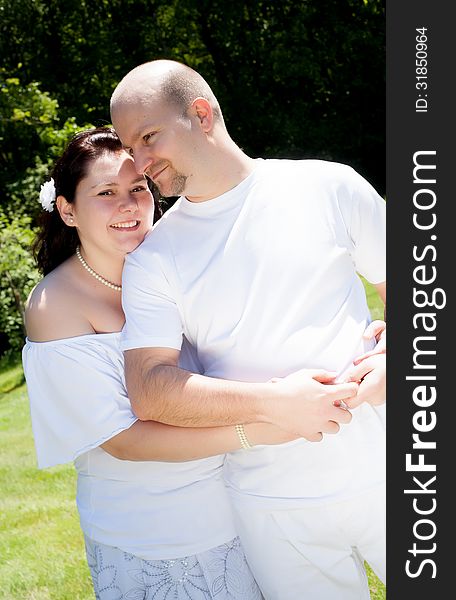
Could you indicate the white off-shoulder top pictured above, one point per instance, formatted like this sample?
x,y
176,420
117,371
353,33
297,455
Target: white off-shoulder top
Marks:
x,y
155,510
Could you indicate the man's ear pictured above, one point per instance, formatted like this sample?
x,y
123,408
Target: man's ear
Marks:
x,y
203,110
66,211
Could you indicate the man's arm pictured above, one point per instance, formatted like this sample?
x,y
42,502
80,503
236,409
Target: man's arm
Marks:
x,y
301,403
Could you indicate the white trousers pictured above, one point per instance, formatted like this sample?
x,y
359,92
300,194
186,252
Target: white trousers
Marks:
x,y
317,552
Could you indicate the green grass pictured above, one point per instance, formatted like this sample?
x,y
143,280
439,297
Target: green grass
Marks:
x,y
376,587
11,376
40,541
41,545
374,301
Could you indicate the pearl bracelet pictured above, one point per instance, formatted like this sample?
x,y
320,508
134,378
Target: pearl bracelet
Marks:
x,y
242,437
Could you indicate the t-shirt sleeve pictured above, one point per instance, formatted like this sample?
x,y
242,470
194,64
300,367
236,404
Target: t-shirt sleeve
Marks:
x,y
363,212
152,318
77,397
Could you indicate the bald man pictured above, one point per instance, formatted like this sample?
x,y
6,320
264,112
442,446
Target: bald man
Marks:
x,y
256,265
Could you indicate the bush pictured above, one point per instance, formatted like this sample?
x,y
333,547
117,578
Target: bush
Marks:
x,y
18,275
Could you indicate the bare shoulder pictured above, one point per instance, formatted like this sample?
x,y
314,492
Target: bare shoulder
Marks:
x,y
54,309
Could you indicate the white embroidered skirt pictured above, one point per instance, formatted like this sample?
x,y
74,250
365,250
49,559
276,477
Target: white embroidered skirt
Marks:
x,y
221,573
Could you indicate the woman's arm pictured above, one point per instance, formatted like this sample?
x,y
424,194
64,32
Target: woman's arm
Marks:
x,y
150,440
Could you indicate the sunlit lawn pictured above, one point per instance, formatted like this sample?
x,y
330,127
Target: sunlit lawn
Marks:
x,y
41,546
40,541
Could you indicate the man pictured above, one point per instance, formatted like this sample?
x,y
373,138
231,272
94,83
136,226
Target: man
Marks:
x,y
256,265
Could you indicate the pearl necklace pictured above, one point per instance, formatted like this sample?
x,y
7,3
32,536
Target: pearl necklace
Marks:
x,y
101,279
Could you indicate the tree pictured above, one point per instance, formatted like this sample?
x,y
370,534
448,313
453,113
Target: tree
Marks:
x,y
302,78
26,112
294,78
31,138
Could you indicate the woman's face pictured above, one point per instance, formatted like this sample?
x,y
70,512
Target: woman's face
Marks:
x,y
113,208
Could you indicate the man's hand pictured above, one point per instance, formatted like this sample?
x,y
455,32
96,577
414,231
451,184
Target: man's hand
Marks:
x,y
307,405
370,373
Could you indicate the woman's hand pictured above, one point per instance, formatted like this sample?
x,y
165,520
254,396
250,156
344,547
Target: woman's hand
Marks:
x,y
370,373
377,330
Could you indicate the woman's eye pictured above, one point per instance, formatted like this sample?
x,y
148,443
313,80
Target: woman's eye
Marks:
x,y
140,188
105,193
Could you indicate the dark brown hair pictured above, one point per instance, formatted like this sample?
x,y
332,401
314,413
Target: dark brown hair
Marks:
x,y
56,241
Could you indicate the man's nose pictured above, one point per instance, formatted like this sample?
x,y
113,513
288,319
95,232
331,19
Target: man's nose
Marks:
x,y
143,161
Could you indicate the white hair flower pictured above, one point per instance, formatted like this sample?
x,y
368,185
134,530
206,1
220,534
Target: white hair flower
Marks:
x,y
47,195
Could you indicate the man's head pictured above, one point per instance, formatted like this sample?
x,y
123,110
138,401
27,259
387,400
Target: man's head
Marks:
x,y
178,85
166,115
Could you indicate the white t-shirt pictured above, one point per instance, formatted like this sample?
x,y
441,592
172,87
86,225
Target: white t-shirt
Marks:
x,y
262,280
154,510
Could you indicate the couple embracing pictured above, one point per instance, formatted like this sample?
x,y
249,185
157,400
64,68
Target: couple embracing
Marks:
x,y
213,376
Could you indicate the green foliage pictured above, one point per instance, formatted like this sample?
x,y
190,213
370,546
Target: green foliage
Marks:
x,y
26,114
23,194
31,139
294,78
308,77
18,275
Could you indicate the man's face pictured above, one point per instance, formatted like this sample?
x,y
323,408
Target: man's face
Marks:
x,y
163,142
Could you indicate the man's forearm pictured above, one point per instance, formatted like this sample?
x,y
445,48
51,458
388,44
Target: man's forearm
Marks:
x,y
301,403
174,396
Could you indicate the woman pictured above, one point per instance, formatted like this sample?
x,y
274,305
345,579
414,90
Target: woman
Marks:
x,y
152,529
